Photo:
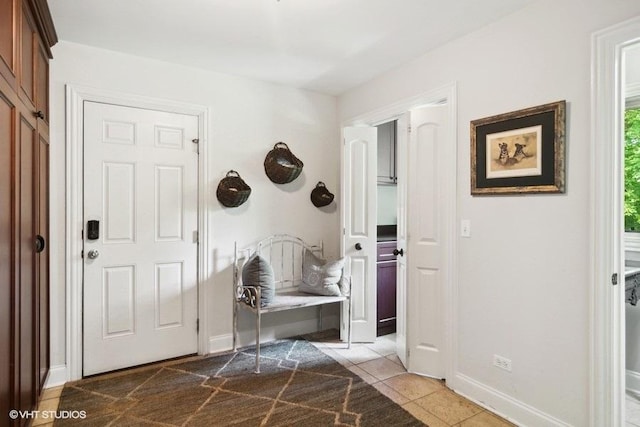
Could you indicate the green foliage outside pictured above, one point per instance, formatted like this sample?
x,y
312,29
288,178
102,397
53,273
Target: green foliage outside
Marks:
x,y
632,170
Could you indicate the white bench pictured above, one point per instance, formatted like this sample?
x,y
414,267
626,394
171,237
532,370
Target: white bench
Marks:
x,y
285,254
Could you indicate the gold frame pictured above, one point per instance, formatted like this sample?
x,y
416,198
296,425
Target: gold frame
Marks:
x,y
550,118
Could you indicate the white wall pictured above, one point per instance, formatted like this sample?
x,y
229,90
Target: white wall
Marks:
x,y
523,276
246,119
387,204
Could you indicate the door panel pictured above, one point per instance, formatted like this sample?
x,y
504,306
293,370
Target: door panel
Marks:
x,y
8,40
7,283
360,151
28,43
42,83
425,245
42,259
140,293
401,233
27,277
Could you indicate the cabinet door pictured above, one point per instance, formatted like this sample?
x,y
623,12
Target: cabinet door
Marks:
x,y
387,153
42,84
7,282
8,40
27,291
386,303
28,44
42,259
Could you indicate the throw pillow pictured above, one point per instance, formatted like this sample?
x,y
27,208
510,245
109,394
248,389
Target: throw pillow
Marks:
x,y
321,277
258,272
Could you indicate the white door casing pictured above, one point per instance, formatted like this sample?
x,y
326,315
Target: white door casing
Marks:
x,y
426,244
607,361
401,230
359,245
141,182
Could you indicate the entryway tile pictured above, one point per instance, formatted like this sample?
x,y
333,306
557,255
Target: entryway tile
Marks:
x,y
414,386
391,393
358,353
448,406
51,393
426,417
382,368
383,346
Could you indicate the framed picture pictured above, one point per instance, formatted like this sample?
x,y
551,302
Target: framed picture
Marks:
x,y
519,152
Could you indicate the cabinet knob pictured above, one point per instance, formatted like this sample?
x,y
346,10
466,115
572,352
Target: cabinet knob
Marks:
x,y
39,114
397,252
40,243
358,247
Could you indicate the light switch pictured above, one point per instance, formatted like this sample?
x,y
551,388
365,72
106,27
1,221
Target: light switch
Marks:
x,y
465,228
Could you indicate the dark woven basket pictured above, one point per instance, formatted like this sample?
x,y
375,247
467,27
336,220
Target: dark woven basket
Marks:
x,y
232,190
281,166
320,196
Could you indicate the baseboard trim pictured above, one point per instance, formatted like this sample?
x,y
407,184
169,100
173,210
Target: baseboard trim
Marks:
x,y
632,379
502,404
220,343
57,376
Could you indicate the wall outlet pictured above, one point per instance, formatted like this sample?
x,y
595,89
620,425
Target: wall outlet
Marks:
x,y
502,362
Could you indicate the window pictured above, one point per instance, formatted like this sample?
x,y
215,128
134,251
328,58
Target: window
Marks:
x,y
632,173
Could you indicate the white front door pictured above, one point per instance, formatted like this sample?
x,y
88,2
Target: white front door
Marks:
x,y
140,265
426,241
360,216
401,230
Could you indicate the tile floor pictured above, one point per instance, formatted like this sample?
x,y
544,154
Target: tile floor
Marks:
x,y
632,409
427,399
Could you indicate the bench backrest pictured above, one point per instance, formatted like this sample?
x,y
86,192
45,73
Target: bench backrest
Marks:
x,y
284,253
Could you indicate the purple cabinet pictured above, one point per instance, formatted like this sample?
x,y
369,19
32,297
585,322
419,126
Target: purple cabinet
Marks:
x,y
386,305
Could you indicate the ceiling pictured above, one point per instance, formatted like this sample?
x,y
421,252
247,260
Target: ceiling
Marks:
x,y
327,46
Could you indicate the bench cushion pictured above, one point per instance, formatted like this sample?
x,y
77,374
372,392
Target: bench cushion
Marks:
x,y
258,272
321,277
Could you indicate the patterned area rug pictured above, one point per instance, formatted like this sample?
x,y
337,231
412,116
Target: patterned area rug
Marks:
x,y
298,386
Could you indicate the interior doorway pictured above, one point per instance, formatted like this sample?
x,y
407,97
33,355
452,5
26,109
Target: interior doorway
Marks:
x,y
387,250
426,125
608,364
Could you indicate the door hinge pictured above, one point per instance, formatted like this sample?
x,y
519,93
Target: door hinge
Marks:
x,y
197,325
614,279
409,128
196,236
197,142
82,254
344,231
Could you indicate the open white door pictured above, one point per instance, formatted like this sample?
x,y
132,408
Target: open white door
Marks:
x,y
401,261
426,241
360,160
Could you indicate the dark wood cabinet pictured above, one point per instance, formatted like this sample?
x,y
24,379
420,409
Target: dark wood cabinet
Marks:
x,y
386,293
26,36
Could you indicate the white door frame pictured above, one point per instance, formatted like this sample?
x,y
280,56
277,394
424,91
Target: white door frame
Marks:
x,y
394,111
75,97
607,358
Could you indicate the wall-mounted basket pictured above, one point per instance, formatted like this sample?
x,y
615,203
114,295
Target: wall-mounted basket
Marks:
x,y
320,196
281,166
232,190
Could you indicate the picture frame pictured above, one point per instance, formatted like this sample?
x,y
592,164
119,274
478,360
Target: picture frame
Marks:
x,y
519,152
